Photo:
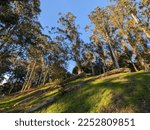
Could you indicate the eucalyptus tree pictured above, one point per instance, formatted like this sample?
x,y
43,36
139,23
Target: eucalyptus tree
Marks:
x,y
122,16
71,35
100,50
100,18
20,34
135,9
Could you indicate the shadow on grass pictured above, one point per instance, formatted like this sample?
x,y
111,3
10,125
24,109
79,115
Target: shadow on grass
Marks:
x,y
120,93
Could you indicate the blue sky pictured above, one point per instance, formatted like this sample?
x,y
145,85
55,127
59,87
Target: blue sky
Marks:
x,y
80,8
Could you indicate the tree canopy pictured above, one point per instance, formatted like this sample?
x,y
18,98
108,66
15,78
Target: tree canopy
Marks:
x,y
29,58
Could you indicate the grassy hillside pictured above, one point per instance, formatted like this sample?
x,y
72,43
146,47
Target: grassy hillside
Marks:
x,y
125,92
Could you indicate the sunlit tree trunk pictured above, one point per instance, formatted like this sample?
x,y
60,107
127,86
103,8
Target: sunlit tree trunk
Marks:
x,y
78,65
45,76
79,68
146,31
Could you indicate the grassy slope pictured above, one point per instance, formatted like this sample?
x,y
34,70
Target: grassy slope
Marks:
x,y
24,101
126,92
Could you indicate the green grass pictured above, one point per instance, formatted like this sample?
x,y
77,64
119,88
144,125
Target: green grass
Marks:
x,y
125,92
77,81
44,96
9,104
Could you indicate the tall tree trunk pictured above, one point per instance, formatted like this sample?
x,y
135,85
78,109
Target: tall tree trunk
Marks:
x,y
92,68
134,50
103,64
26,78
128,55
45,76
29,81
40,79
31,77
114,58
78,65
102,57
115,61
79,69
103,67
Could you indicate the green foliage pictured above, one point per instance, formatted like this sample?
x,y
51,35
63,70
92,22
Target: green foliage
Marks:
x,y
24,48
69,30
29,59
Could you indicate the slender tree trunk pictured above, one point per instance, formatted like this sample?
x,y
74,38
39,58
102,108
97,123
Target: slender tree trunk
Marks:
x,y
40,79
11,89
136,70
115,61
133,48
103,64
45,76
79,69
114,58
27,75
31,77
102,57
92,68
124,50
28,82
78,66
105,67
